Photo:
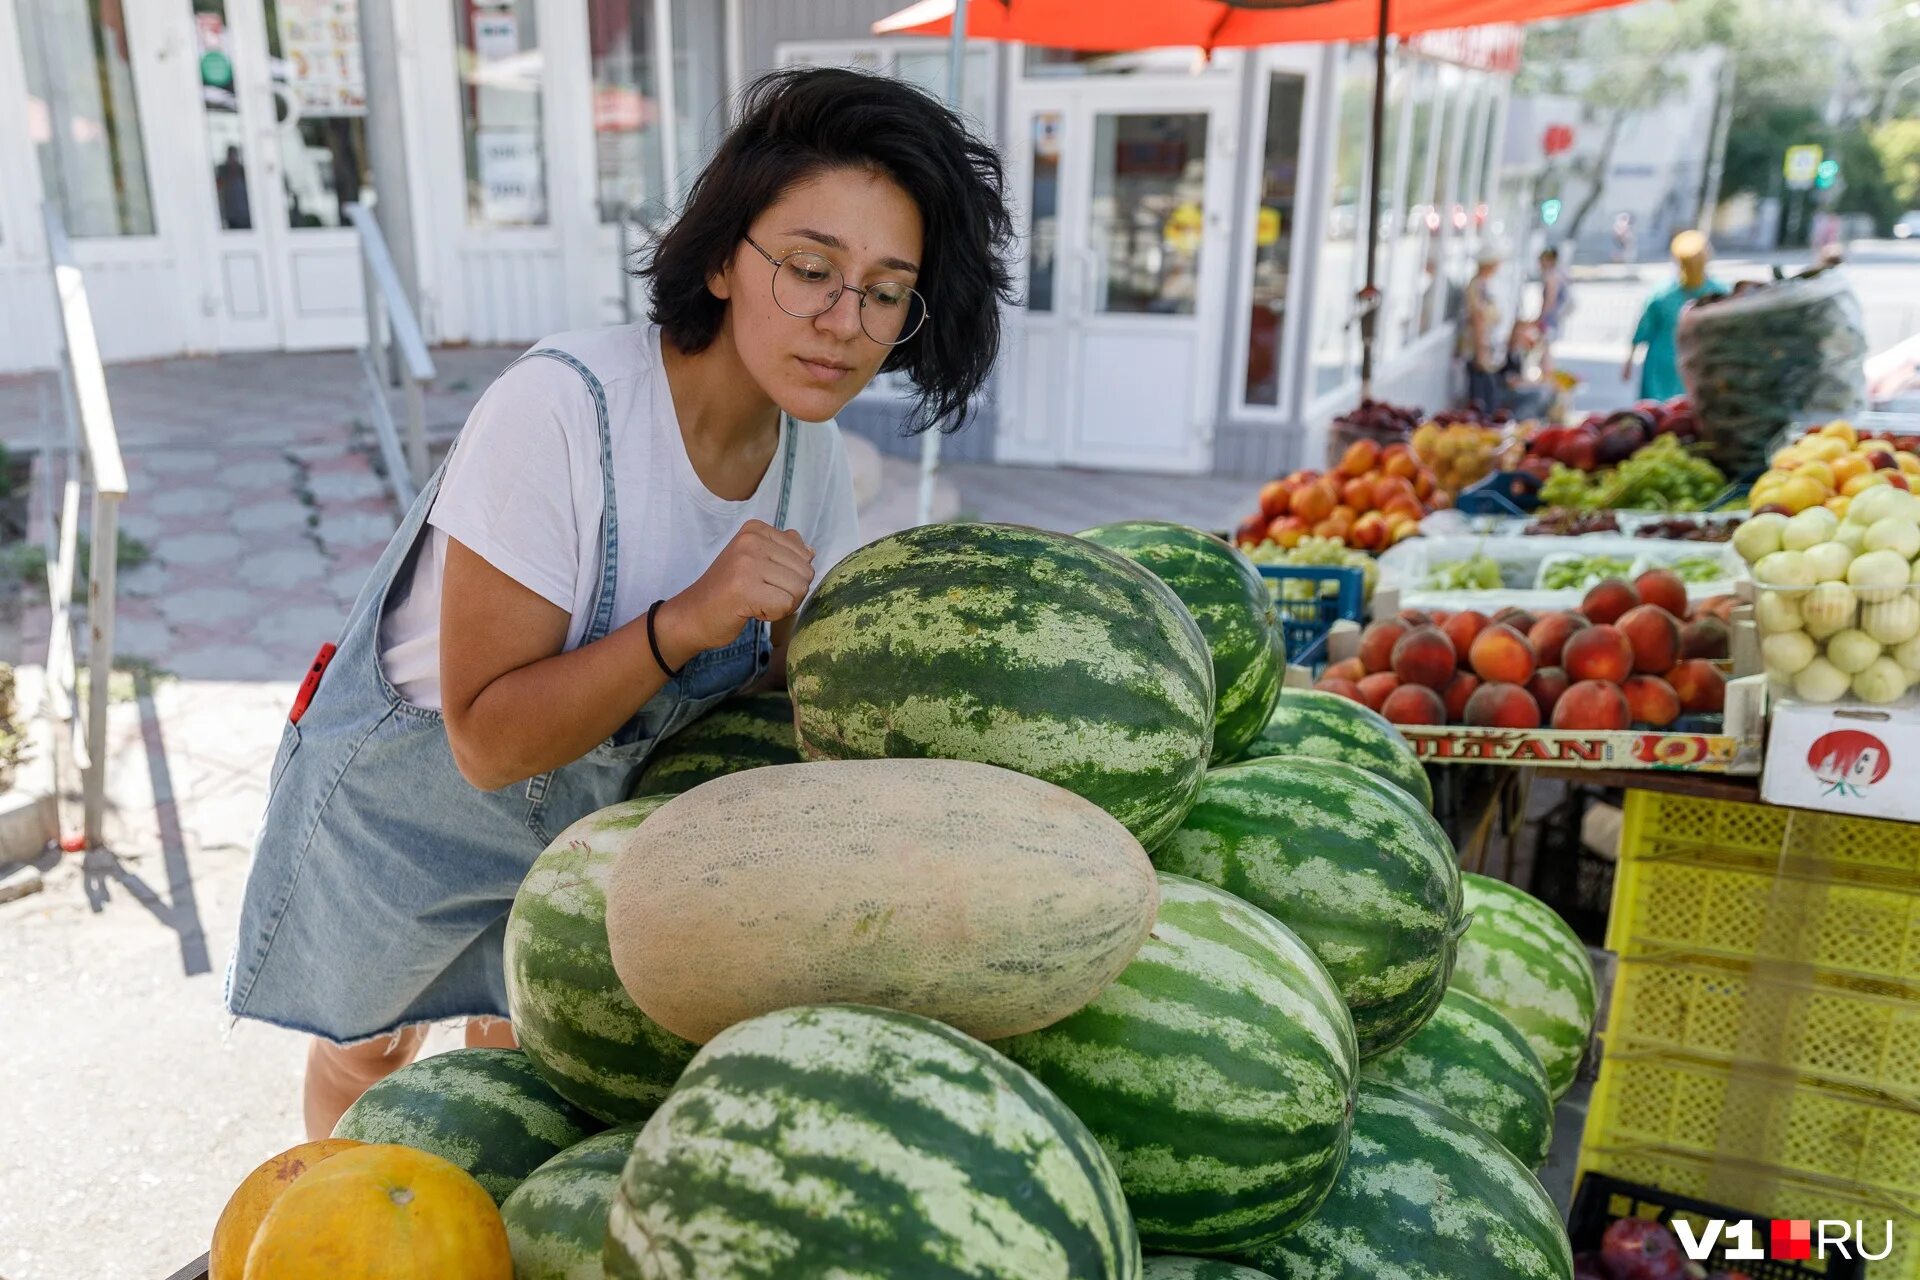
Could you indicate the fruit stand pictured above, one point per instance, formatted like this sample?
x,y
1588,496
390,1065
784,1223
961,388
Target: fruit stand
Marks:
x,y
1101,954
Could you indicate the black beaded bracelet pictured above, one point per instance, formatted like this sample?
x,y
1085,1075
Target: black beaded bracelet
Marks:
x,y
654,644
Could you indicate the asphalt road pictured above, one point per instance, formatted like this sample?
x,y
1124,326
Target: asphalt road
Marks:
x,y
1884,276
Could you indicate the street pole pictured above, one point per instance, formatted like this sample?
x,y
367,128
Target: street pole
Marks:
x,y
930,438
1370,296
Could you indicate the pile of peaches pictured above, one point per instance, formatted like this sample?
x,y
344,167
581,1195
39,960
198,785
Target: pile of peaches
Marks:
x,y
1372,500
1623,659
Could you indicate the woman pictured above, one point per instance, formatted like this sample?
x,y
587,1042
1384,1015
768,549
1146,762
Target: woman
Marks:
x,y
1478,335
1660,321
618,541
1556,303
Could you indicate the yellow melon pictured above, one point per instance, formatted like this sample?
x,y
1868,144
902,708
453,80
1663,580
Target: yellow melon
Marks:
x,y
992,901
233,1233
382,1212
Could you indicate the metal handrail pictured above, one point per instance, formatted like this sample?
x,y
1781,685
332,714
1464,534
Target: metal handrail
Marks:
x,y
93,441
392,327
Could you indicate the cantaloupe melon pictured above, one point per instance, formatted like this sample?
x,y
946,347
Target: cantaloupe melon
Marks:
x,y
257,1192
991,901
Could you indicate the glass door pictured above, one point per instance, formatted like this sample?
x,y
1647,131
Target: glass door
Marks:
x,y
283,103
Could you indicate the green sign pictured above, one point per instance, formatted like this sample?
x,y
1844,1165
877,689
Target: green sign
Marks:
x,y
1826,174
216,69
1550,211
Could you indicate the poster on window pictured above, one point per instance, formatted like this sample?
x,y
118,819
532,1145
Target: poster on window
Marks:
x,y
507,167
320,43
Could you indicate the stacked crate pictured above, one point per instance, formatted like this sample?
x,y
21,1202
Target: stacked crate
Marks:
x,y
1762,1046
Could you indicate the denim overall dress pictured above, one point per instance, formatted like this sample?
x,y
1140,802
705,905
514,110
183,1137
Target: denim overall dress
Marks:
x,y
381,878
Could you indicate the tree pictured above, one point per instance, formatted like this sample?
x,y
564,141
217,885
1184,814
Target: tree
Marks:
x,y
1897,143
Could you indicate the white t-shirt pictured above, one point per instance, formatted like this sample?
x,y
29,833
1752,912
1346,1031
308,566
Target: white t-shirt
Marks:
x,y
523,490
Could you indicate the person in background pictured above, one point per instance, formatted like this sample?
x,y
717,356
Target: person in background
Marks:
x,y
1523,386
1478,344
1556,304
1660,320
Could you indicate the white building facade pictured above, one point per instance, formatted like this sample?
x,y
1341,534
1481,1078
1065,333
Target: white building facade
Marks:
x,y
1192,230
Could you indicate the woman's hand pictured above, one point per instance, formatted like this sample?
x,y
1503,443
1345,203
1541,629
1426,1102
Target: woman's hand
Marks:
x,y
762,574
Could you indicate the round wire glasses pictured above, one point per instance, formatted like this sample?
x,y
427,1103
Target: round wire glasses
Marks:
x,y
806,284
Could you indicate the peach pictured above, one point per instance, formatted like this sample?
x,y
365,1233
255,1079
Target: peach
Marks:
x,y
1593,705
1414,704
1370,532
1333,684
1655,636
1275,498
1252,531
1416,617
1704,638
1517,618
1349,669
1403,465
1424,656
1605,602
1501,655
1376,644
1503,706
1387,488
1664,588
1334,529
1651,701
1375,688
1547,685
1314,502
1699,686
1361,457
1288,531
1462,627
1597,653
1455,695
1549,636
1357,493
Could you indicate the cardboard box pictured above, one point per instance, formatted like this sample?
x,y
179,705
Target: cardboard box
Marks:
x,y
1843,757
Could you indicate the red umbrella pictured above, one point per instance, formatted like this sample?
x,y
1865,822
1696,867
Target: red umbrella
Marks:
x,y
1115,25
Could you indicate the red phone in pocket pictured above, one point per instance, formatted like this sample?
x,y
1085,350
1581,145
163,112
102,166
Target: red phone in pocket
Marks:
x,y
312,682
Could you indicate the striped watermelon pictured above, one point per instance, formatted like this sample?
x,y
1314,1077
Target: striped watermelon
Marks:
x,y
1169,1267
1346,860
1308,722
1030,650
570,1012
741,733
1472,1061
1229,600
1521,958
845,1140
1424,1196
1217,1071
557,1219
486,1110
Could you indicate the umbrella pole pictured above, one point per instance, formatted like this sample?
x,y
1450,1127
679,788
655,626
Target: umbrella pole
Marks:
x,y
1370,296
930,439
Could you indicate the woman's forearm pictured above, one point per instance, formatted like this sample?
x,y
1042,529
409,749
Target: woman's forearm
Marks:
x,y
551,712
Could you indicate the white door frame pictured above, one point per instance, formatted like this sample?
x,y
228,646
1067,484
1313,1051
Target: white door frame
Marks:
x,y
1031,431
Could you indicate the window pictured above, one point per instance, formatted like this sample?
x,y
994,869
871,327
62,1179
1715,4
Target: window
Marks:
x,y
84,116
1148,215
1336,337
320,108
923,62
1043,204
500,67
226,138
1443,235
628,165
699,84
1414,208
1273,236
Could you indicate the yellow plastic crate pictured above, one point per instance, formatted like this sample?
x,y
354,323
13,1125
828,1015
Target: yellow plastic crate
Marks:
x,y
1759,1190
1730,1014
1713,1111
1662,826
1840,928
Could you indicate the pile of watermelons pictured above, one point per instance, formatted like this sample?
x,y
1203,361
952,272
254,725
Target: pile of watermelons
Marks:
x,y
1039,937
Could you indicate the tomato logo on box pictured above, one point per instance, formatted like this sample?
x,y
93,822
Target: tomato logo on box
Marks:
x,y
1848,761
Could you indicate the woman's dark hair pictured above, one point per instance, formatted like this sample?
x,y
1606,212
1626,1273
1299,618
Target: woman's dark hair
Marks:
x,y
796,124
1550,254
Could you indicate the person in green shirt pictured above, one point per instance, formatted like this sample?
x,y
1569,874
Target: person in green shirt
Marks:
x,y
1660,321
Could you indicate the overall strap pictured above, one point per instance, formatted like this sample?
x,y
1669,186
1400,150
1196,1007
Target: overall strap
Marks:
x,y
789,430
602,621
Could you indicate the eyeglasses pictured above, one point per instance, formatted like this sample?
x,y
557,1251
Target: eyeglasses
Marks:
x,y
806,285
